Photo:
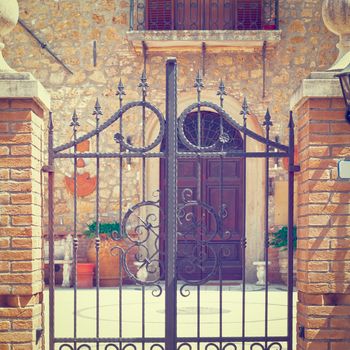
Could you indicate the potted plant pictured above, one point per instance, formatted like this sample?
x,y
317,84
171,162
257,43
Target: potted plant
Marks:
x,y
280,240
110,269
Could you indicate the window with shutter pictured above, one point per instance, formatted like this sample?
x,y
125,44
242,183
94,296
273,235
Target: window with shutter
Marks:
x,y
204,14
159,14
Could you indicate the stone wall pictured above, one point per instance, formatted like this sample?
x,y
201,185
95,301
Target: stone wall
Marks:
x,y
69,29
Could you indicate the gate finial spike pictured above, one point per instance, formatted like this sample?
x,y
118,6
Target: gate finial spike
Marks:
x,y
143,83
97,110
222,89
75,121
245,109
267,121
291,124
120,90
198,82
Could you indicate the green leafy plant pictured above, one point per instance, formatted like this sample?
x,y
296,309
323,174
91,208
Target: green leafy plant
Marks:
x,y
106,228
280,238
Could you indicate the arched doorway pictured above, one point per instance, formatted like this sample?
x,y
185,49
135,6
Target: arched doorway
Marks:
x,y
220,184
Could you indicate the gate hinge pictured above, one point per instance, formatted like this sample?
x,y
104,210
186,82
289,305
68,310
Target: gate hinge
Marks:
x,y
38,335
47,169
294,168
301,332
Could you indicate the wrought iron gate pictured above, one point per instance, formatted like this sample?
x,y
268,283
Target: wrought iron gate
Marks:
x,y
162,301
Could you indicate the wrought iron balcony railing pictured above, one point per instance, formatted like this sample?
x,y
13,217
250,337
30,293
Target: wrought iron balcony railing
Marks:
x,y
203,15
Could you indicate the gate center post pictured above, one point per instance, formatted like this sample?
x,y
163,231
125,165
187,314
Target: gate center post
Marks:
x,y
171,239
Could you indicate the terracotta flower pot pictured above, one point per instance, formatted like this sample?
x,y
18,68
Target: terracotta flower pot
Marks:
x,y
109,261
85,274
283,263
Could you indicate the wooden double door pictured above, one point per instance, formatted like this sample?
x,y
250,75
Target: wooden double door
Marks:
x,y
204,249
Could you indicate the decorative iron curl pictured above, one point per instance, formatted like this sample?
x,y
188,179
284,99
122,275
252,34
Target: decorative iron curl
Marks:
x,y
194,262
189,219
63,346
116,116
256,346
185,291
212,345
116,347
84,346
138,237
157,291
189,109
279,346
132,346
155,346
189,346
230,344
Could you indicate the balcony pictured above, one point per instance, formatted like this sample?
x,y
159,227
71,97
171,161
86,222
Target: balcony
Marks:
x,y
187,24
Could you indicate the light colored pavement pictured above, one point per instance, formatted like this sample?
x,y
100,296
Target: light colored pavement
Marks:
x,y
154,314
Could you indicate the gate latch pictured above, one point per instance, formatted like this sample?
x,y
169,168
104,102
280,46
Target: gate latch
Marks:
x,y
294,168
301,332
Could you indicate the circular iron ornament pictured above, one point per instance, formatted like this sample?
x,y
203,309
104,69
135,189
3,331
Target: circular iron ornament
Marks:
x,y
195,262
120,138
185,291
257,346
143,249
275,346
111,346
63,346
84,346
185,346
228,345
189,109
191,223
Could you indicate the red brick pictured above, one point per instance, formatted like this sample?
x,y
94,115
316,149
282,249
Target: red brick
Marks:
x,y
15,116
24,150
13,139
319,103
11,162
4,127
21,127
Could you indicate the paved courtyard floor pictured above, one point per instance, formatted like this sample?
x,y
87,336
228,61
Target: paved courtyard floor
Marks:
x,y
153,314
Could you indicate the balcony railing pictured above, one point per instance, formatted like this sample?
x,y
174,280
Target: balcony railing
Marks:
x,y
203,15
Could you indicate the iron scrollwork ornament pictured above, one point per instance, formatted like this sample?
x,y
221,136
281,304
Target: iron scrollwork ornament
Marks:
x,y
141,259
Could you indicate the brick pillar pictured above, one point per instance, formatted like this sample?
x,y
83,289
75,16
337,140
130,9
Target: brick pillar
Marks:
x,y
323,218
21,264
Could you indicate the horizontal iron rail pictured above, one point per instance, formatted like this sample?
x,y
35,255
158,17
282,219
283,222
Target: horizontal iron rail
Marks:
x,y
179,154
179,339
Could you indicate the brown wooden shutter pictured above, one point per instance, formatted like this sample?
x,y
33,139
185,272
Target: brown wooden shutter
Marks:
x,y
159,14
249,14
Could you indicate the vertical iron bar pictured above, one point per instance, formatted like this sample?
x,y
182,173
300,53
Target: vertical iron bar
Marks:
x,y
171,239
244,237
143,187
199,86
75,239
131,19
267,124
97,233
290,231
51,234
221,93
94,53
120,94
